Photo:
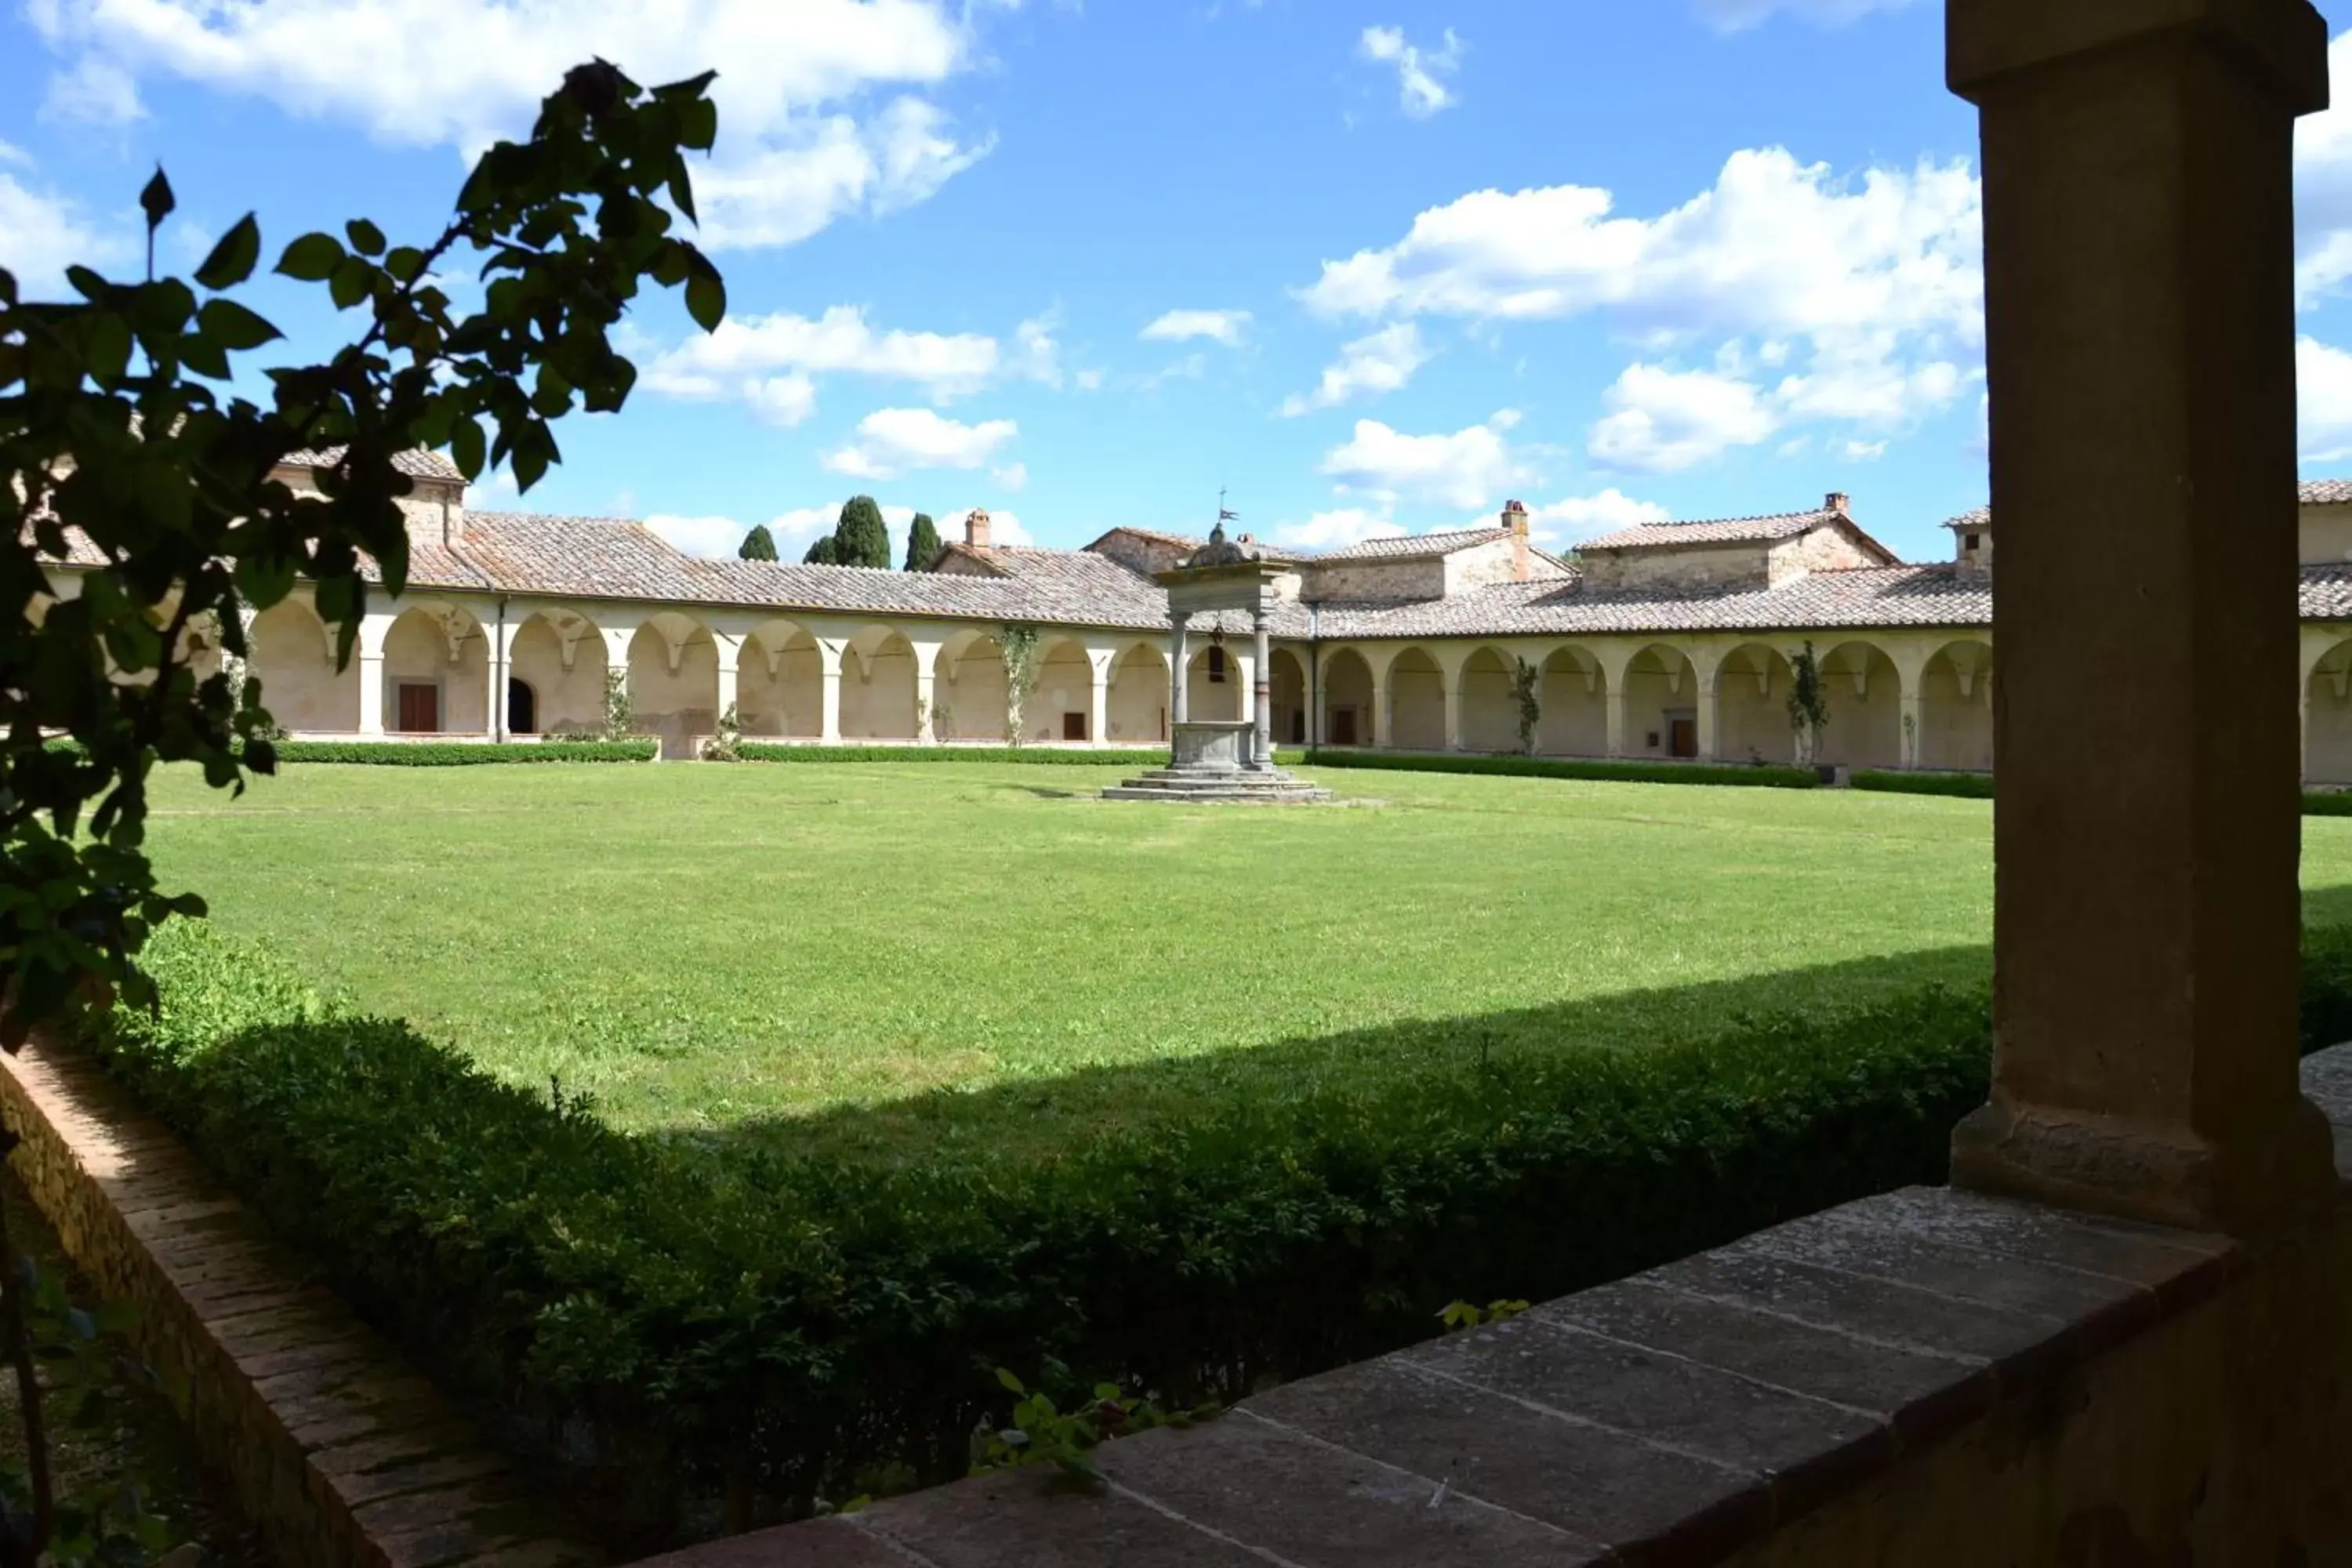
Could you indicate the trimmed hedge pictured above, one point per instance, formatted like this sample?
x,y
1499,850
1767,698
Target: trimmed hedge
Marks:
x,y
1972,786
2327,803
457,754
1770,777
1072,756
681,1318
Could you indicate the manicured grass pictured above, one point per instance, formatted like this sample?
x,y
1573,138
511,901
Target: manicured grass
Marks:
x,y
706,948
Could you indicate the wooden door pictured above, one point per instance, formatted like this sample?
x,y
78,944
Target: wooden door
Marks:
x,y
1073,726
1343,726
420,709
1682,738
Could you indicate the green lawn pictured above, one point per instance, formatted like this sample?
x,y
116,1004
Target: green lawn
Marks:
x,y
709,949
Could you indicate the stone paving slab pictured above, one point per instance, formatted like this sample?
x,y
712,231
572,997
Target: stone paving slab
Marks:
x,y
338,1450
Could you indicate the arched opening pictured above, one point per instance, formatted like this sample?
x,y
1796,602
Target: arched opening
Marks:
x,y
968,691
1752,706
1661,704
1490,713
1416,702
560,656
1287,701
1955,708
1347,700
674,682
436,673
1139,695
522,707
2327,718
878,687
1062,707
780,682
1865,702
292,655
1214,690
1574,697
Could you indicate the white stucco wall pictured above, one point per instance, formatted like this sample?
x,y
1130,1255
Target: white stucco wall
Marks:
x,y
877,693
299,684
1347,689
970,687
1139,695
1214,699
1575,721
1416,702
570,698
1864,730
417,650
1956,729
677,705
1490,714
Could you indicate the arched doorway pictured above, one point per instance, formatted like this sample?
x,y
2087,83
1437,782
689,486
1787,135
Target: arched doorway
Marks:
x,y
967,692
1865,700
1752,706
292,656
1955,708
1062,708
1573,697
522,708
560,656
1139,695
436,673
1288,700
2327,718
878,687
1347,700
1416,702
1661,704
1490,712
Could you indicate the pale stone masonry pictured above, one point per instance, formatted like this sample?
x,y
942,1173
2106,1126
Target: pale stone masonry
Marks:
x,y
1667,640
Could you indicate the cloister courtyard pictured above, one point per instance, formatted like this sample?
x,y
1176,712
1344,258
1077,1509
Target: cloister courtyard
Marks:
x,y
813,949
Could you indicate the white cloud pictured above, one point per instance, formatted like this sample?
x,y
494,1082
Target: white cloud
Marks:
x,y
1012,476
1191,367
721,537
2323,384
1343,525
95,91
1861,451
792,155
1420,93
1563,523
1089,380
839,341
784,400
1465,469
41,233
1738,16
2323,189
1035,353
1662,420
1372,365
1219,326
892,440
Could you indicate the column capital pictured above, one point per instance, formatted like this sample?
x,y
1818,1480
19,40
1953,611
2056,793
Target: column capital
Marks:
x,y
1986,42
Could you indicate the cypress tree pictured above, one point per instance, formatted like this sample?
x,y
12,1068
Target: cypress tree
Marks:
x,y
922,543
863,539
758,545
823,552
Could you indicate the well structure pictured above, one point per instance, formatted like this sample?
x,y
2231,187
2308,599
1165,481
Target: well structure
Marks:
x,y
1221,760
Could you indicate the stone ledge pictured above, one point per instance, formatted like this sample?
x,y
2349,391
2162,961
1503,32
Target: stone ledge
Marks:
x,y
1692,1414
338,1450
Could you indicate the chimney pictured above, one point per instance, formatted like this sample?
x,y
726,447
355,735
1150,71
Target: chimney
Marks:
x,y
1514,518
976,529
1834,502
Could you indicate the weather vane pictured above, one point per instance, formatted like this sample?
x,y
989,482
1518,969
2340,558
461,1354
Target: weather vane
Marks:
x,y
1222,515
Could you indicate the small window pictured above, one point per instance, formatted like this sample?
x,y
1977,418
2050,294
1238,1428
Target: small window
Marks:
x,y
1216,664
1968,540
1653,740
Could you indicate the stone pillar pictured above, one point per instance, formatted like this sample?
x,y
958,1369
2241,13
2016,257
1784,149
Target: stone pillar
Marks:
x,y
1098,669
1710,714
1262,692
1177,674
500,662
1912,722
1383,728
728,650
829,657
2140,365
1614,707
926,687
1453,689
367,652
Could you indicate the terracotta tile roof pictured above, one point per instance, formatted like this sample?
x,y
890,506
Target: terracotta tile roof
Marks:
x,y
2324,492
416,463
1975,517
1413,546
2325,592
1712,531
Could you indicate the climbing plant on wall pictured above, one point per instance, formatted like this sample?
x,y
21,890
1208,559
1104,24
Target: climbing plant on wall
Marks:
x,y
1809,704
1020,646
1526,681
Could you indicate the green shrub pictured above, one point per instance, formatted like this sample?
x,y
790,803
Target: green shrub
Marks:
x,y
461,754
2327,803
1769,776
696,1316
1972,786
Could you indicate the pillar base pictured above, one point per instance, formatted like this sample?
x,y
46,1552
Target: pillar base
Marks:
x,y
2263,1180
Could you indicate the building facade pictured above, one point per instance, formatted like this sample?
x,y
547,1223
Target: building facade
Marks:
x,y
1670,641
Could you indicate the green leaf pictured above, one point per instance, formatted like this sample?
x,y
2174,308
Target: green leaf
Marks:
x,y
706,298
234,327
231,261
366,238
405,263
205,356
350,282
312,258
157,201
1010,1382
466,448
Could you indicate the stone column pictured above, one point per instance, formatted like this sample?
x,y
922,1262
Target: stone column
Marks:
x,y
367,652
1710,714
1262,692
829,657
1383,726
1453,704
501,663
1614,704
926,689
2140,364
1177,656
1098,671
1912,720
729,650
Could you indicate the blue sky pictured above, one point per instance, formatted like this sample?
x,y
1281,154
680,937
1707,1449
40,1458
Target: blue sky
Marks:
x,y
1367,268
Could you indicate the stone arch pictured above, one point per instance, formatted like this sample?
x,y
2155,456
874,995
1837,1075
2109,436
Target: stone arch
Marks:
x,y
1752,706
1286,702
436,672
968,691
1347,700
780,681
1956,708
1490,713
1138,704
293,655
1416,702
1866,698
560,654
1661,703
878,687
1215,687
674,682
1574,696
1063,705
2327,718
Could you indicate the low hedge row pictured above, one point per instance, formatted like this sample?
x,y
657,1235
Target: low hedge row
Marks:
x,y
1768,776
1972,786
457,754
685,1318
1073,756
2327,803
